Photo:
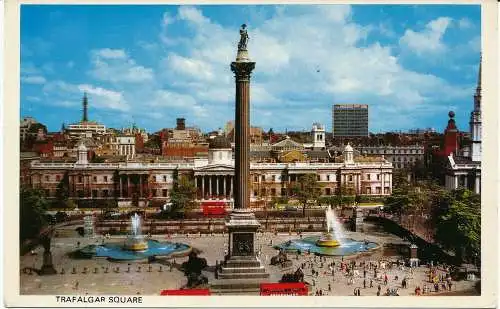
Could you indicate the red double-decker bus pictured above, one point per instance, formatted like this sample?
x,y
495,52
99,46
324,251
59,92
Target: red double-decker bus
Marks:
x,y
291,288
186,292
214,208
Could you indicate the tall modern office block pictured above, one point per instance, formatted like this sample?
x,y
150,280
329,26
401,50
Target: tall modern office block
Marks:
x,y
350,120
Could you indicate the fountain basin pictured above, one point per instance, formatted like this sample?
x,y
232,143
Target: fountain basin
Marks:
x,y
313,245
137,243
117,252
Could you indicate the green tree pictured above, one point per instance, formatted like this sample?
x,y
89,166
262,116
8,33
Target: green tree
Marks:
x,y
183,194
458,223
306,189
32,212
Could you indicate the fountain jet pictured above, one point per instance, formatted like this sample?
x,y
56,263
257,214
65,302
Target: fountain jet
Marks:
x,y
135,241
334,231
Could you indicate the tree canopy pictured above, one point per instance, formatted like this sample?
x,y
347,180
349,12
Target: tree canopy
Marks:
x,y
32,212
183,194
457,217
306,189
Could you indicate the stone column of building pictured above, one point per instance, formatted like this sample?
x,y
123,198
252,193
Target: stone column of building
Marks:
x,y
231,190
224,180
477,186
210,186
202,187
217,192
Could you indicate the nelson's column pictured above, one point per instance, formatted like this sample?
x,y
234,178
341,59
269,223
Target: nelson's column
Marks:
x,y
241,271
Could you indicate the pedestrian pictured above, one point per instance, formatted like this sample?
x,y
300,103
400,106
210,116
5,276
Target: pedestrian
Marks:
x,y
385,279
371,283
329,287
364,273
364,283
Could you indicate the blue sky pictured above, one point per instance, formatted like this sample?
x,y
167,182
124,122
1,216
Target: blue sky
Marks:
x,y
151,64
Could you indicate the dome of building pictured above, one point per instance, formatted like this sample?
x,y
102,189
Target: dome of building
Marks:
x,y
220,142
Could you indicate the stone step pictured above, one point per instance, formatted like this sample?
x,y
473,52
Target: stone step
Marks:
x,y
237,286
239,264
260,269
259,275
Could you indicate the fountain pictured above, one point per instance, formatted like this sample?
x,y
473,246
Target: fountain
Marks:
x,y
330,239
135,247
135,241
332,243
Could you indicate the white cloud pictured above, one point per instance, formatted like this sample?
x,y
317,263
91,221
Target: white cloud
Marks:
x,y
116,66
465,23
35,79
66,94
107,53
429,40
104,98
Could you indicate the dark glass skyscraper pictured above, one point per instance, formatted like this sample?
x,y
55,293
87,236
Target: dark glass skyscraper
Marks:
x,y
350,120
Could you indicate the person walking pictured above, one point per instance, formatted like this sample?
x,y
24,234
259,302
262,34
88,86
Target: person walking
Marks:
x,y
364,283
371,283
385,279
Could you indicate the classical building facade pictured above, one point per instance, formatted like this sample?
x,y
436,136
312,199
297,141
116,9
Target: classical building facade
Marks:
x,y
400,156
140,182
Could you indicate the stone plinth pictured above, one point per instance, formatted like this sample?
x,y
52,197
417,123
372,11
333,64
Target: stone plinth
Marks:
x,y
242,271
47,266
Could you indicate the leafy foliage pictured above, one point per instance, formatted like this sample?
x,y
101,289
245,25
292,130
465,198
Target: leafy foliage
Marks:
x,y
306,189
32,212
458,223
183,194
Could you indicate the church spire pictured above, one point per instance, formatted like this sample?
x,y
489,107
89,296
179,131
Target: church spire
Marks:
x,y
477,95
85,107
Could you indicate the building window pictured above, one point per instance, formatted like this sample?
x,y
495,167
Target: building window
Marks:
x,y
95,178
273,192
350,177
256,178
164,178
105,178
263,192
80,179
386,190
94,193
283,191
328,191
164,192
274,178
255,193
368,190
318,177
378,176
368,176
105,193
263,177
47,178
153,192
378,190
154,178
327,177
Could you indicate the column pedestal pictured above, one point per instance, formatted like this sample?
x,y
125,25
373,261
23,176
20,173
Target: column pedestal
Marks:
x,y
242,271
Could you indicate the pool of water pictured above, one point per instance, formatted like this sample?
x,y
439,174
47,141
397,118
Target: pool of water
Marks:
x,y
115,251
347,247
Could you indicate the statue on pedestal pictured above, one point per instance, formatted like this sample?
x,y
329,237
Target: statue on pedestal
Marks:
x,y
242,45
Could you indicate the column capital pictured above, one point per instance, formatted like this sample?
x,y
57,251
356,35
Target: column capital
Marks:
x,y
242,70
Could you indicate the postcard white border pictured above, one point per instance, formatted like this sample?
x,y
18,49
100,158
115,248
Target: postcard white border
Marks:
x,y
490,168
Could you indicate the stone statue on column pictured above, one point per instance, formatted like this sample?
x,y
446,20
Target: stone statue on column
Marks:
x,y
242,45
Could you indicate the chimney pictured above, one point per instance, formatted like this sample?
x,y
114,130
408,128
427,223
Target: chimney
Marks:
x,y
181,124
